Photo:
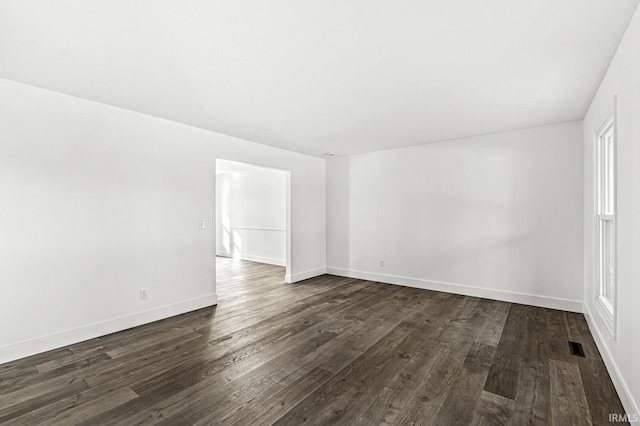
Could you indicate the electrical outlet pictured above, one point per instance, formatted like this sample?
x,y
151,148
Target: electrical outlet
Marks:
x,y
382,263
143,293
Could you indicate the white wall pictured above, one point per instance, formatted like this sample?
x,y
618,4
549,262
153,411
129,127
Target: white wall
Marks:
x,y
496,216
251,215
98,202
622,79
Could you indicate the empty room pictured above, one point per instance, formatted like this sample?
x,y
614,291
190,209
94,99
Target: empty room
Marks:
x,y
324,213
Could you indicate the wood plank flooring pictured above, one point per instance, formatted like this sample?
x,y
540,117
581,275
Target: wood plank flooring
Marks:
x,y
328,350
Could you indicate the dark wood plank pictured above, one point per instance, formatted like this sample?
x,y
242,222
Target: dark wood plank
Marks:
x,y
327,350
22,401
409,387
599,389
558,336
464,394
275,405
494,410
346,393
76,408
445,363
505,369
533,399
570,403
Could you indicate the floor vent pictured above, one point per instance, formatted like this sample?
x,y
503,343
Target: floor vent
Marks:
x,y
576,349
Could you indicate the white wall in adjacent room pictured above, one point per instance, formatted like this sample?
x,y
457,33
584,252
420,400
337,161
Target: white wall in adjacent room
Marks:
x,y
99,202
622,79
497,216
251,214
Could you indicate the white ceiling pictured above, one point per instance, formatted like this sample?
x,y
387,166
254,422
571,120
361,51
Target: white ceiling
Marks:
x,y
319,76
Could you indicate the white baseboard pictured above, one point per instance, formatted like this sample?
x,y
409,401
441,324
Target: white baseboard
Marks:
x,y
487,293
300,276
69,337
629,404
259,259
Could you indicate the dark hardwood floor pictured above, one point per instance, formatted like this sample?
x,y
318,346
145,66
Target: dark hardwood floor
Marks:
x,y
325,351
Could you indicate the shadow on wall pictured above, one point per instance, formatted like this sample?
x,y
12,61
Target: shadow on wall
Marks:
x,y
339,217
489,212
480,240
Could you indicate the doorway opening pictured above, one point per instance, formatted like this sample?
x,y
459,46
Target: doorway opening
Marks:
x,y
252,224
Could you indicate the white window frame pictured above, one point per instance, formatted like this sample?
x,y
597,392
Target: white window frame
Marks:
x,y
605,214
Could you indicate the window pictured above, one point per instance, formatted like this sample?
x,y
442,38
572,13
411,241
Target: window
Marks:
x,y
605,222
